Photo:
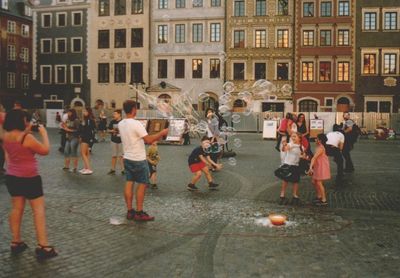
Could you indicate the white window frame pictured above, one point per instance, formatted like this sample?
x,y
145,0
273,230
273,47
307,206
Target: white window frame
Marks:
x,y
370,51
27,10
378,99
202,32
25,54
25,81
57,19
255,37
73,18
56,74
343,60
157,34
244,29
72,44
289,29
302,8
219,31
305,29
72,73
51,20
371,10
4,4
11,52
289,8
11,27
11,80
388,10
337,9
323,27
329,98
327,60
315,68
41,46
382,60
276,69
25,30
41,73
66,45
343,27
320,10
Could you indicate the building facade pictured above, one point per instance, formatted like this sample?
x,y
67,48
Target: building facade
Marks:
x,y
325,60
187,43
15,52
60,51
378,56
259,45
119,55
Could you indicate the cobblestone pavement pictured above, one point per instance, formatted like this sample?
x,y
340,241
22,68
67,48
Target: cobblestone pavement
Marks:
x,y
214,234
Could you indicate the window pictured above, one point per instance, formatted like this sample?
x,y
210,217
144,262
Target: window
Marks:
x,y
180,33
238,41
308,9
162,69
162,34
120,7
238,71
137,37
180,68
389,63
11,27
197,3
76,74
283,7
260,71
11,80
215,3
197,68
25,30
344,8
282,71
379,106
308,105
120,38
197,32
76,45
372,106
369,63
4,4
343,71
344,37
11,52
283,38
163,4
324,71
24,81
308,38
76,18
308,71
328,101
370,21
46,20
45,46
180,4
261,38
137,7
325,38
104,73
104,39
391,21
261,7
45,74
27,10
61,45
215,32
136,72
25,54
119,73
61,74
215,68
326,9
104,7
239,8
61,19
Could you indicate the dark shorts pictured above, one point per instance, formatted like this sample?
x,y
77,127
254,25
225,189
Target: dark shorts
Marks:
x,y
30,188
197,166
152,168
137,171
295,177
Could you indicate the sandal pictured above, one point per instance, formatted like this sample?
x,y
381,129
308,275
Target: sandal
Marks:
x,y
42,253
18,247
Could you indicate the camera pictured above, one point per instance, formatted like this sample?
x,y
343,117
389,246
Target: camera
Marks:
x,y
35,126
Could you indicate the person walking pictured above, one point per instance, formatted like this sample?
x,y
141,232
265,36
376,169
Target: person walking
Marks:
x,y
24,182
334,147
133,137
86,134
348,125
71,128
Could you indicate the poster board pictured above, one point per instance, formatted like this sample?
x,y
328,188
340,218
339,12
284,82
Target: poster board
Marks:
x,y
51,117
156,125
316,127
269,129
176,128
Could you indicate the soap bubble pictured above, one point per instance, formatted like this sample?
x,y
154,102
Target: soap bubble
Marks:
x,y
164,108
286,90
225,98
204,97
235,118
229,87
202,127
248,111
232,161
214,121
237,142
264,85
222,56
246,96
223,109
226,114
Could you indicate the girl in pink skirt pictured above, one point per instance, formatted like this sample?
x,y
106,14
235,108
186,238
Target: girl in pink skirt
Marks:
x,y
320,170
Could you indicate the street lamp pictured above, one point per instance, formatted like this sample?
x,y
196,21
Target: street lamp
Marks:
x,y
137,84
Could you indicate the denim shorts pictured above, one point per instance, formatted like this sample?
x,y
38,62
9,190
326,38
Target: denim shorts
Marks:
x,y
71,148
137,171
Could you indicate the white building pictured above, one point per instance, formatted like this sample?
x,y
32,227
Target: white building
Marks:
x,y
186,45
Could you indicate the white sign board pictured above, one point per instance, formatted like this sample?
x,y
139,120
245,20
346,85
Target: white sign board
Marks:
x,y
269,130
51,115
176,128
329,119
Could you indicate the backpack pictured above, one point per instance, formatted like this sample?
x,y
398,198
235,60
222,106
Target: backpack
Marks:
x,y
355,133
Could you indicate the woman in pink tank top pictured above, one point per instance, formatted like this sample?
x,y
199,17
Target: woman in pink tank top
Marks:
x,y
23,180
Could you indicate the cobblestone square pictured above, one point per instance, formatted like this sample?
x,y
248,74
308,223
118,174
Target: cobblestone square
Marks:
x,y
214,233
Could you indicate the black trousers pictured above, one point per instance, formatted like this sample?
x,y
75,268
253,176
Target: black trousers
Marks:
x,y
347,157
337,157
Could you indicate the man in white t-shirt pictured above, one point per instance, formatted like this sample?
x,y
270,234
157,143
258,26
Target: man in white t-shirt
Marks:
x,y
64,119
133,136
334,147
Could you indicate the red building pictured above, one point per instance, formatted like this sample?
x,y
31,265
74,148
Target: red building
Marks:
x,y
324,57
15,52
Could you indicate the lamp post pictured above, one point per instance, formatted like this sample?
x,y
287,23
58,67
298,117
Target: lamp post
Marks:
x,y
137,85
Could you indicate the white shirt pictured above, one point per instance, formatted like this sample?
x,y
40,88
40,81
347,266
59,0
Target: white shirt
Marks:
x,y
335,138
293,155
132,133
64,119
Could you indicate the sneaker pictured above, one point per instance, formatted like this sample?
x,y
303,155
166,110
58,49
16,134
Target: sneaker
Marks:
x,y
212,185
142,216
82,170
130,215
87,172
111,172
321,204
192,187
316,200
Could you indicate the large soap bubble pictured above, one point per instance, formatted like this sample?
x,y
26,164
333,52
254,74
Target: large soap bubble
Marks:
x,y
229,87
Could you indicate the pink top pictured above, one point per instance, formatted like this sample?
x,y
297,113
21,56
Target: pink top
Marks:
x,y
283,125
322,169
21,161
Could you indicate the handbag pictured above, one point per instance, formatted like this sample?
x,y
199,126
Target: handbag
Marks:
x,y
283,172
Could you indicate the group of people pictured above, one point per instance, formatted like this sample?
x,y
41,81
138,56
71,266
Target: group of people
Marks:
x,y
297,159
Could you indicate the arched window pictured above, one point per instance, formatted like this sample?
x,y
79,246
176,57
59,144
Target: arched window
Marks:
x,y
343,100
165,97
308,105
239,103
211,102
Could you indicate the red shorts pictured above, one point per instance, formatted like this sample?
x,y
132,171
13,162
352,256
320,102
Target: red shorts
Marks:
x,y
197,166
